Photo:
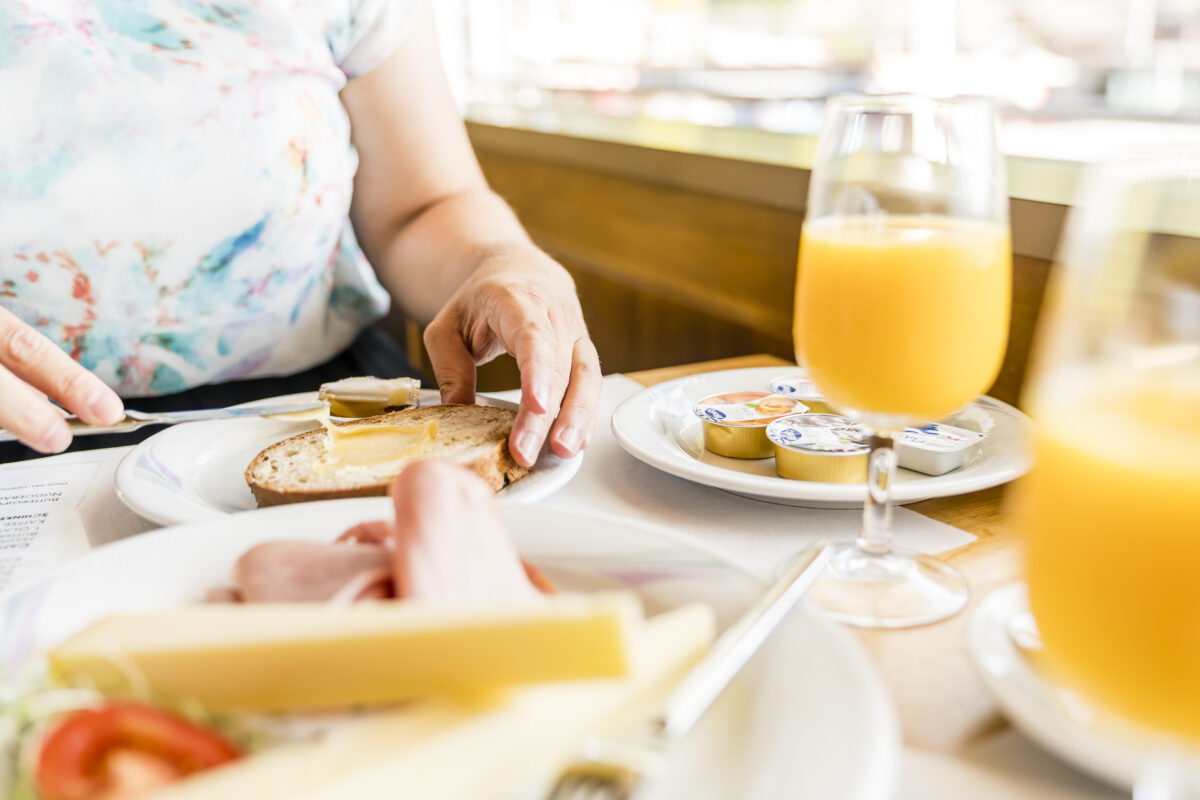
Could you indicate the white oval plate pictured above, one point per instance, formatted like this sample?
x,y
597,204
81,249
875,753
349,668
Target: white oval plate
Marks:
x,y
658,427
1053,715
808,717
195,470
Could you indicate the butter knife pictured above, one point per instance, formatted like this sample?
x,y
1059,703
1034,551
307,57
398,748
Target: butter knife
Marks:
x,y
139,419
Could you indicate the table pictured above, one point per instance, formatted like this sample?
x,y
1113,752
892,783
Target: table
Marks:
x,y
956,743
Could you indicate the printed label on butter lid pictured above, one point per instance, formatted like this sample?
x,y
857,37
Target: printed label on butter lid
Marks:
x,y
804,432
746,408
939,438
797,385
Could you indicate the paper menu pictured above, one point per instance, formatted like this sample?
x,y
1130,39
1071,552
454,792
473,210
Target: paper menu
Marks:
x,y
39,511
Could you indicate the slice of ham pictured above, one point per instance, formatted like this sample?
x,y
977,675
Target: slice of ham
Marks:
x,y
450,543
312,572
447,544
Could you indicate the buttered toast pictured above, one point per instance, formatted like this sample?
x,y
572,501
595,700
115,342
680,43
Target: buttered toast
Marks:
x,y
361,458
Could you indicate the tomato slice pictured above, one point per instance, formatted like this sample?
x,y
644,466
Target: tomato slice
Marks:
x,y
81,756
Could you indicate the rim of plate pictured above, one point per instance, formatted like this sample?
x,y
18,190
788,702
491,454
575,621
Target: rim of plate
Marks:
x,y
164,507
1107,749
877,713
634,419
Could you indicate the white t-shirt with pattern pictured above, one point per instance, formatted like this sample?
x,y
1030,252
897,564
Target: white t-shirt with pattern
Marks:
x,y
175,181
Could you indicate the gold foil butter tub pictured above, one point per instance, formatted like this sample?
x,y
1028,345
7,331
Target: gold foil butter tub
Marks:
x,y
798,385
819,447
735,423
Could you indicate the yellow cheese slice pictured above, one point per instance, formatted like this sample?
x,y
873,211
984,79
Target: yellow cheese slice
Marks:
x,y
273,657
451,750
364,445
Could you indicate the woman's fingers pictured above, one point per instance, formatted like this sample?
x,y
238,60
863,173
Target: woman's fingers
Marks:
x,y
32,368
577,416
530,310
453,364
29,416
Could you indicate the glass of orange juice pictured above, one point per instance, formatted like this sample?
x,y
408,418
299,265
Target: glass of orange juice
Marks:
x,y
1111,509
901,315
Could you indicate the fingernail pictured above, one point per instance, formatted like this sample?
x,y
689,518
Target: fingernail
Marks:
x,y
570,440
57,439
527,445
106,406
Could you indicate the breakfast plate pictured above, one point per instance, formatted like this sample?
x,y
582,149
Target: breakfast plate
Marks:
x,y
807,718
194,471
1003,643
657,426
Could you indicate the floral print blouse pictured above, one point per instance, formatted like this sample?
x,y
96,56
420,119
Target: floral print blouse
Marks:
x,y
175,180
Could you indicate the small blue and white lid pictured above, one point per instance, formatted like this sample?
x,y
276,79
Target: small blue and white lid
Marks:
x,y
825,433
939,438
796,385
746,409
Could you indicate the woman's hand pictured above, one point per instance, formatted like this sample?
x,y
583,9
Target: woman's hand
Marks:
x,y
32,368
518,300
451,251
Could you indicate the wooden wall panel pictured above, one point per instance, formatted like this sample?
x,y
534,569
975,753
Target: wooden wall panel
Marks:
x,y
671,271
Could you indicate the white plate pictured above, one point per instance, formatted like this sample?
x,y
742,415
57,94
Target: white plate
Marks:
x,y
808,717
658,427
1053,715
194,471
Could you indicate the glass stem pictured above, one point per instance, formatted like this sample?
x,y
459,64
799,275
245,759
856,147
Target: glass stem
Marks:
x,y
875,537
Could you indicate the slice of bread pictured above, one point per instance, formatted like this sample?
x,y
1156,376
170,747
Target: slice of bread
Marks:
x,y
474,436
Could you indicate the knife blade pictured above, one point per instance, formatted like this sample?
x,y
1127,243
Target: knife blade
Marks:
x,y
139,419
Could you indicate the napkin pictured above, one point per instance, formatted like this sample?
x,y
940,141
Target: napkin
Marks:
x,y
751,533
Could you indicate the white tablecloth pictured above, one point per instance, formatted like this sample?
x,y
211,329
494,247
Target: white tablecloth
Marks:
x,y
754,534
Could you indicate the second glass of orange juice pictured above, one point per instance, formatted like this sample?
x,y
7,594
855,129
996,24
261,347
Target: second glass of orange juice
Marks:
x,y
1111,509
901,315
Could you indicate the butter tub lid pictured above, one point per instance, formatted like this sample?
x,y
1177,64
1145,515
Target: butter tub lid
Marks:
x,y
939,438
822,433
746,409
796,385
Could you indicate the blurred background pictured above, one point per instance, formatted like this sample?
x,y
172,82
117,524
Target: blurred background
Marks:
x,y
659,149
767,64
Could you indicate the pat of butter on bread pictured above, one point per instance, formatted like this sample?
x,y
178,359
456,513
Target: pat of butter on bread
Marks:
x,y
300,656
451,750
368,396
364,445
361,458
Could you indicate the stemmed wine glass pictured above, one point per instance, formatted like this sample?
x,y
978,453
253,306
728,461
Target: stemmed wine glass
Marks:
x,y
902,307
1111,509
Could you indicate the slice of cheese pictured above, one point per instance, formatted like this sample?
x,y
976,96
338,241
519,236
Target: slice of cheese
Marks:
x,y
297,656
364,445
456,751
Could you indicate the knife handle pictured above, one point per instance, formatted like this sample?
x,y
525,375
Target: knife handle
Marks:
x,y
80,428
740,641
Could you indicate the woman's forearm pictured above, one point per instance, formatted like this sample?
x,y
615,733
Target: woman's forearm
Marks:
x,y
424,260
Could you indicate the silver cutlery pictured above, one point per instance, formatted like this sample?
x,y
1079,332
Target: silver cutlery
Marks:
x,y
612,768
139,419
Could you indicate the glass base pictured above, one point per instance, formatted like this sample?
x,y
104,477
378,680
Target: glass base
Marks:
x,y
899,589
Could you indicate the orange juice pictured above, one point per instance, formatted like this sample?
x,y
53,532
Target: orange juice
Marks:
x,y
1111,514
902,315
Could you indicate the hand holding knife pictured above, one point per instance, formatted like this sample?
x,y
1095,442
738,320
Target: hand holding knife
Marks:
x,y
139,419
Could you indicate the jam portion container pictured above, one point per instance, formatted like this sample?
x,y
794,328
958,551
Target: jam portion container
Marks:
x,y
735,423
798,385
936,449
819,447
